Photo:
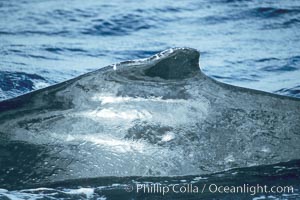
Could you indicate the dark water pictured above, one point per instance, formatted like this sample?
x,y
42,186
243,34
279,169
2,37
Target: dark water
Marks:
x,y
279,175
249,43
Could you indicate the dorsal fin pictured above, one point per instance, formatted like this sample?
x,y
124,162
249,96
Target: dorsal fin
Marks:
x,y
178,63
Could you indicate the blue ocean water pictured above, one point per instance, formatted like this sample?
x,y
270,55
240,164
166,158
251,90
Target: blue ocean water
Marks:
x,y
249,43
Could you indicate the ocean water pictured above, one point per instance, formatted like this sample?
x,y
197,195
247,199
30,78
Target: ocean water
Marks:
x,y
114,188
249,43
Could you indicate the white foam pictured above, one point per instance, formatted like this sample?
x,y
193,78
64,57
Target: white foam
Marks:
x,y
89,192
259,198
3,190
12,197
37,189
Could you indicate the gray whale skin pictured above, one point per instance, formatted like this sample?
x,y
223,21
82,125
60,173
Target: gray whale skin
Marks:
x,y
159,116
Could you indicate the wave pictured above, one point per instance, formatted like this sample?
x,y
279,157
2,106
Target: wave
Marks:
x,y
119,25
273,12
294,91
16,83
64,50
108,188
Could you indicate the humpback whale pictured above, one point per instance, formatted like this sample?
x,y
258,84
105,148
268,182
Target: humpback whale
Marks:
x,y
160,116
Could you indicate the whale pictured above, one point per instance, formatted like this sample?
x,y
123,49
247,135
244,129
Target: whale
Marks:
x,y
158,116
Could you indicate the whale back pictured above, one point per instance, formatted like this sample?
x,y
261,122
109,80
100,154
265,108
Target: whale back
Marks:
x,y
160,116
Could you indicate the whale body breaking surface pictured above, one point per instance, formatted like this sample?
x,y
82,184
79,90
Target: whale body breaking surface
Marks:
x,y
160,116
